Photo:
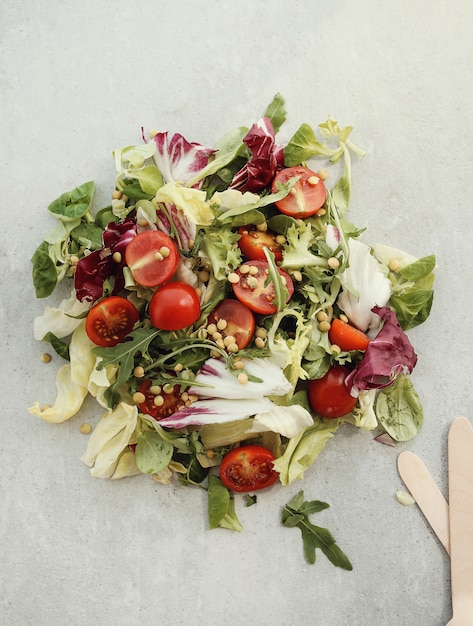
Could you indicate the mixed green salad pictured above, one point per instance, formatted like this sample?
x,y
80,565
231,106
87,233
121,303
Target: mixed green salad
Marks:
x,y
225,314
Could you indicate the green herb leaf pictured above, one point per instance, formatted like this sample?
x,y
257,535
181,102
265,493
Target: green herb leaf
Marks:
x,y
304,145
296,515
61,348
399,409
281,293
123,354
152,452
44,271
276,111
73,204
221,506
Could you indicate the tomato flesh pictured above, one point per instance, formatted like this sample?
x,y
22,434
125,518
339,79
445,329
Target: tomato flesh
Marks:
x,y
248,468
171,402
174,306
152,257
240,321
306,197
252,243
329,396
252,291
347,337
110,320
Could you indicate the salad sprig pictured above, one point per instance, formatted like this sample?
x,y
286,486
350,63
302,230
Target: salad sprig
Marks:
x,y
222,309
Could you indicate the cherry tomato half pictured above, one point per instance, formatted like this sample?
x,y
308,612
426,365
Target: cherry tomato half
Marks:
x,y
306,197
347,337
329,396
240,321
168,403
110,320
252,243
152,257
174,306
248,468
251,289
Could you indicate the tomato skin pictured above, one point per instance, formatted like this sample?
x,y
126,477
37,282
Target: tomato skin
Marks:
x,y
248,468
305,198
329,396
259,298
252,243
240,321
110,320
174,306
140,256
347,337
172,401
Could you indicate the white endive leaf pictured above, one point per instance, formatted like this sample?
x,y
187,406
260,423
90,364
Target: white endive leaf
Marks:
x,y
221,383
288,421
364,286
109,440
216,411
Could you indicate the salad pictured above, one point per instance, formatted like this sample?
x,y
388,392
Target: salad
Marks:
x,y
225,314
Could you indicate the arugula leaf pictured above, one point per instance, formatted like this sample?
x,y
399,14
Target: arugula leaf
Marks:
x,y
221,506
296,515
280,290
123,354
399,409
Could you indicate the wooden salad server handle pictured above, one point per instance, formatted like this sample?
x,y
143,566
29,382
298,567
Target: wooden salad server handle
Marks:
x,y
460,485
426,493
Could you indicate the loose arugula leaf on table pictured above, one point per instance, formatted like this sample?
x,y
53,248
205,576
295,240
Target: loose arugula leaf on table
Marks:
x,y
296,515
60,347
123,354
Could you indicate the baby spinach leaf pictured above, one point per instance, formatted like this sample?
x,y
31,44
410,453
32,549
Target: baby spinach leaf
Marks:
x,y
44,271
74,204
296,515
221,506
399,409
152,452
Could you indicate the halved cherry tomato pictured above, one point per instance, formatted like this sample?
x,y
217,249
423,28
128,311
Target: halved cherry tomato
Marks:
x,y
306,197
347,337
252,243
110,320
251,289
329,396
240,321
152,257
248,468
168,403
174,306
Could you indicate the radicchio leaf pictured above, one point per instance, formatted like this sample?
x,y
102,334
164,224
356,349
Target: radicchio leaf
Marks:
x,y
258,173
92,270
387,356
177,159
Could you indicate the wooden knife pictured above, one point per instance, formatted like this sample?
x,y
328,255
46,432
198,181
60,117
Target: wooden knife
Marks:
x,y
460,486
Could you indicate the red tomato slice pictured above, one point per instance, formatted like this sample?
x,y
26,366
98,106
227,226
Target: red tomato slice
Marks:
x,y
248,468
168,404
329,396
252,243
110,320
174,306
240,321
347,337
152,257
306,197
251,289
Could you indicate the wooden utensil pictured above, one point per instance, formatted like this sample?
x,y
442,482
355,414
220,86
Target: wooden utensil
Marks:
x,y
427,495
460,485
